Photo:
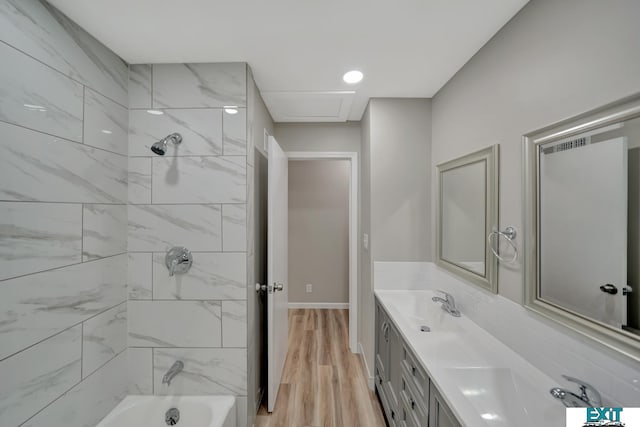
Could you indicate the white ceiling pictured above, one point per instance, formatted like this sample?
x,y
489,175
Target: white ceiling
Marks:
x,y
405,48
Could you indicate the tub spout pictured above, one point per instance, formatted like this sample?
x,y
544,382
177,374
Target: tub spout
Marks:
x,y
172,372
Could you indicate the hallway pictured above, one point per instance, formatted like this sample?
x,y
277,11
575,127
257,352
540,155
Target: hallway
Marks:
x,y
323,383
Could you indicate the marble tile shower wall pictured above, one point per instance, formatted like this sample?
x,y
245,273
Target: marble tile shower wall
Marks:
x,y
195,196
63,216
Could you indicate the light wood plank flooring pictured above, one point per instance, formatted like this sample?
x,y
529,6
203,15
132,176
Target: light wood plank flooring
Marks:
x,y
323,384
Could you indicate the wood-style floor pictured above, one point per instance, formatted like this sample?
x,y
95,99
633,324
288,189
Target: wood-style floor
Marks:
x,y
323,383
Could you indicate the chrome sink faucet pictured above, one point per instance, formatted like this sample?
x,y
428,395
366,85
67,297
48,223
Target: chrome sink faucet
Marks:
x,y
172,372
589,396
448,303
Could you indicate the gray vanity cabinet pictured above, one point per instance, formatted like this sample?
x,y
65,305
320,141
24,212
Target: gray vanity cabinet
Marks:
x,y
388,365
408,398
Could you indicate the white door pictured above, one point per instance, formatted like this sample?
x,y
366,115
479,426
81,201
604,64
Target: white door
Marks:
x,y
277,249
583,229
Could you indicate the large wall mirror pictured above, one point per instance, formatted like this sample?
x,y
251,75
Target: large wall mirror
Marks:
x,y
467,212
582,218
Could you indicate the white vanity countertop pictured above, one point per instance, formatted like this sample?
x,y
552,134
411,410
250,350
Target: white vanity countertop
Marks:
x,y
485,383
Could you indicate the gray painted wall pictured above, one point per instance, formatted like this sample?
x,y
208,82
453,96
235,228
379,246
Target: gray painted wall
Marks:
x,y
366,317
396,187
400,179
319,230
525,78
318,136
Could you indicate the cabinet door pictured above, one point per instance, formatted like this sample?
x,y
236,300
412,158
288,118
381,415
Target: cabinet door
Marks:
x,y
439,413
382,343
394,368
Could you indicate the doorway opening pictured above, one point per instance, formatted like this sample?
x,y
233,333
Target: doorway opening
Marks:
x,y
274,249
322,242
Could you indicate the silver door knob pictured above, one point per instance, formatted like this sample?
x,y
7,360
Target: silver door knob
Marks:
x,y
609,289
278,286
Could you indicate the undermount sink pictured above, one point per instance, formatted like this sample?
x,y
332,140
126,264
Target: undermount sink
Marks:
x,y
501,397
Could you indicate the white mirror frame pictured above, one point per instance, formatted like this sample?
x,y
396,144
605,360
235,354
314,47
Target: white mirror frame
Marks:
x,y
621,341
490,155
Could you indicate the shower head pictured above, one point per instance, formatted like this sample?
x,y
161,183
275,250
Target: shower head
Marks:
x,y
160,147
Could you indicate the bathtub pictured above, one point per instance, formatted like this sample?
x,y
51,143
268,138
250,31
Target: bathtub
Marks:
x,y
195,411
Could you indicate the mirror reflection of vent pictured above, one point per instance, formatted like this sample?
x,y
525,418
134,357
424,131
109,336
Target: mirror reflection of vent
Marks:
x,y
568,145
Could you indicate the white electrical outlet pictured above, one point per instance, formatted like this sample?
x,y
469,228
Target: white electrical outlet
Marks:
x,y
365,241
309,288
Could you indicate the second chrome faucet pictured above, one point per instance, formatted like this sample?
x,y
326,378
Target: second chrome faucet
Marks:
x,y
588,397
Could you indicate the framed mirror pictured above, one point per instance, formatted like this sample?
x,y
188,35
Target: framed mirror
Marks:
x,y
582,219
467,212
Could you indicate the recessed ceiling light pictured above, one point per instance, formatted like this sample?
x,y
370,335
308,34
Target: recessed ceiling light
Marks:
x,y
231,109
155,112
107,132
352,77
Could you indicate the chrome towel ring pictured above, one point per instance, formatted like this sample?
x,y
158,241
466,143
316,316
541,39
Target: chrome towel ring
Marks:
x,y
509,234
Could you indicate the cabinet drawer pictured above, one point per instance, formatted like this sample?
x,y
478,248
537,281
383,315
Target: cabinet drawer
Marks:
x,y
412,393
385,403
415,373
415,409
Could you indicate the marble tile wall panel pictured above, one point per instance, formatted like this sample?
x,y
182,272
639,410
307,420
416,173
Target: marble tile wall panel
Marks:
x,y
106,123
140,180
174,324
201,131
40,305
103,337
213,276
234,228
38,236
199,85
160,227
139,279
42,32
140,86
199,180
88,402
104,230
140,370
234,138
234,323
35,377
39,98
206,371
44,168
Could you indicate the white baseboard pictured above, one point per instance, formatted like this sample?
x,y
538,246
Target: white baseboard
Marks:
x,y
334,305
370,378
